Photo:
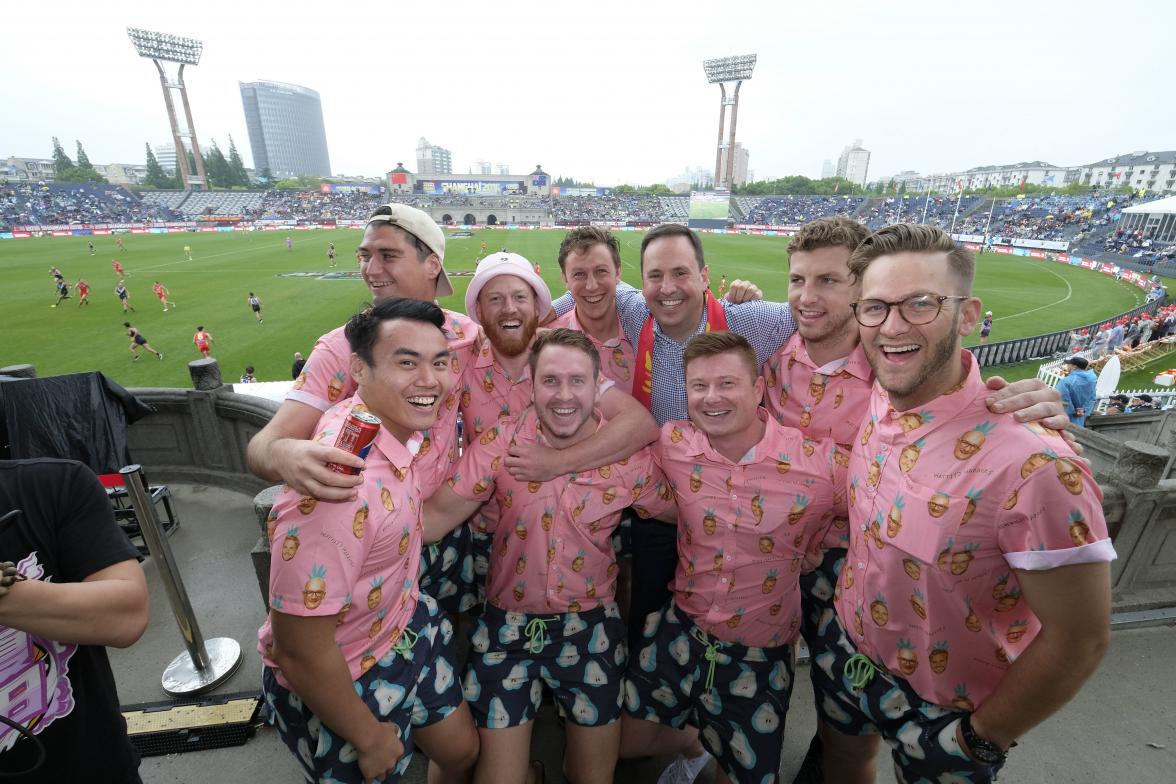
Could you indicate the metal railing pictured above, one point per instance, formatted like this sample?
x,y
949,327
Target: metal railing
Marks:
x,y
1040,346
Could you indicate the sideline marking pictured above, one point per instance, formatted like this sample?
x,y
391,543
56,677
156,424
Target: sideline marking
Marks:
x,y
1069,293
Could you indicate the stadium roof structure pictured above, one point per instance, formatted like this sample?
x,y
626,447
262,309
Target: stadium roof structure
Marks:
x,y
1137,159
1162,206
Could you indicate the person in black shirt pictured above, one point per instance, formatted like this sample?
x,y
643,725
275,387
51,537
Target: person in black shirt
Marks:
x,y
74,586
296,368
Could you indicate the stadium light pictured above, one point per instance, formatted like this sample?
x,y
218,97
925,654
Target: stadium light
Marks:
x,y
729,69
164,46
720,70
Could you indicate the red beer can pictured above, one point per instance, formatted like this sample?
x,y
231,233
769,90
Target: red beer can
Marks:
x,y
356,436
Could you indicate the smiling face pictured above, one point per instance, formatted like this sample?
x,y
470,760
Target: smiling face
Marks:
x,y
391,266
820,289
723,394
508,312
673,285
564,393
592,277
408,378
916,363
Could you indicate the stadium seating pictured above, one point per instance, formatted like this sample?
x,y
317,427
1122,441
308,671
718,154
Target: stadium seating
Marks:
x,y
25,204
797,210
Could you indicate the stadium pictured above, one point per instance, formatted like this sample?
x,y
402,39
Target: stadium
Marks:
x,y
230,274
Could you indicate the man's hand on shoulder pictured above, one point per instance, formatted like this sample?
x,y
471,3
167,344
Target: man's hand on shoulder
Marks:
x,y
743,291
534,463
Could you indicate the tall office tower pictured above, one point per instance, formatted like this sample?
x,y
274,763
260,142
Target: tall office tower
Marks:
x,y
286,130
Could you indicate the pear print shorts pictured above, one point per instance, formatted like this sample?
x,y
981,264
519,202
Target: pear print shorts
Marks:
x,y
921,734
447,571
737,695
816,602
412,689
579,656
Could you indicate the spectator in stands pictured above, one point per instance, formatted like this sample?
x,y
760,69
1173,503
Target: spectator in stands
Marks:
x,y
1146,327
985,327
1099,345
1142,403
296,368
247,377
1077,389
1117,404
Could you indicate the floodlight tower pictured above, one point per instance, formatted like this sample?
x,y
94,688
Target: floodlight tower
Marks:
x,y
185,51
720,71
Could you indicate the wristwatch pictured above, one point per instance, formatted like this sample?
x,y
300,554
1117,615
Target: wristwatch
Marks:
x,y
983,751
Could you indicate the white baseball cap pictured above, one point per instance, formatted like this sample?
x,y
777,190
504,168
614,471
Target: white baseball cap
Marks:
x,y
504,263
420,225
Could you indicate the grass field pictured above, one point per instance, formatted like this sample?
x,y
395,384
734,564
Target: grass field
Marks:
x,y
1028,297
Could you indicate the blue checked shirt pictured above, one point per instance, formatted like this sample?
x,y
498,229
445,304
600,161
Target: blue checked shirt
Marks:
x,y
765,325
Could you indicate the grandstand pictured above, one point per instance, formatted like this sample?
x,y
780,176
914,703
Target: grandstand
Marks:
x,y
64,203
909,209
797,210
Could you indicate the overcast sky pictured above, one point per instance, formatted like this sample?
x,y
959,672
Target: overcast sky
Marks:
x,y
614,91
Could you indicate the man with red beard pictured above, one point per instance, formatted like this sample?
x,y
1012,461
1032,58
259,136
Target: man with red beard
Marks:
x,y
508,300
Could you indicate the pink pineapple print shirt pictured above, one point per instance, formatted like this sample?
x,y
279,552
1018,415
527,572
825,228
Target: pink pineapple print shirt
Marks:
x,y
944,503
744,528
550,550
357,560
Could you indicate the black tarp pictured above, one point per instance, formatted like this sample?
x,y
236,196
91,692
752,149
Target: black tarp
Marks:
x,y
83,416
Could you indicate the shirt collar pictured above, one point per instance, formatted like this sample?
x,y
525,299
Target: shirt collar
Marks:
x,y
698,443
398,454
855,363
485,359
951,403
574,323
657,328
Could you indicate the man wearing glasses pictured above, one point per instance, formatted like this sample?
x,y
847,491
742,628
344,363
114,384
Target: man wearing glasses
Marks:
x,y
819,382
974,601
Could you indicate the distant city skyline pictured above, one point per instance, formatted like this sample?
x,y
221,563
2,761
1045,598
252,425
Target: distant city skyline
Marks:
x,y
626,110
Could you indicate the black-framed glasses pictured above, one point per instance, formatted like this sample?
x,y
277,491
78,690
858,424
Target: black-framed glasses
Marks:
x,y
921,309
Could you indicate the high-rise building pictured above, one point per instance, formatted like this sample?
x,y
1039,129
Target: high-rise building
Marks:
x,y
166,155
432,159
854,163
827,169
742,156
286,131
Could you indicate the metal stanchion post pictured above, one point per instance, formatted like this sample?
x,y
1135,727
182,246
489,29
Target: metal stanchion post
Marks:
x,y
207,663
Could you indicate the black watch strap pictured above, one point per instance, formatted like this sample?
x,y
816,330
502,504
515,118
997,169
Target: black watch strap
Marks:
x,y
983,751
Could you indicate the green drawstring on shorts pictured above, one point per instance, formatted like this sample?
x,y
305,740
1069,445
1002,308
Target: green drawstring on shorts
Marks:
x,y
404,644
860,669
710,654
536,631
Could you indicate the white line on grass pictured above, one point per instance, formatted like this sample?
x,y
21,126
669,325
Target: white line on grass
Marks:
x,y
1069,293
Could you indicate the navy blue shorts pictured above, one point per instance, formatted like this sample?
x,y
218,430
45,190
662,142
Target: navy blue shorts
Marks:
x,y
921,734
816,605
737,695
579,656
411,689
447,571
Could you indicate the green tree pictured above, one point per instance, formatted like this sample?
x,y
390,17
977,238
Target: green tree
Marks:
x,y
83,159
61,161
265,178
191,170
236,166
216,168
156,176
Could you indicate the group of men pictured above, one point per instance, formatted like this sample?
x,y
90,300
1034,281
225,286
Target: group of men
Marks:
x,y
831,467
